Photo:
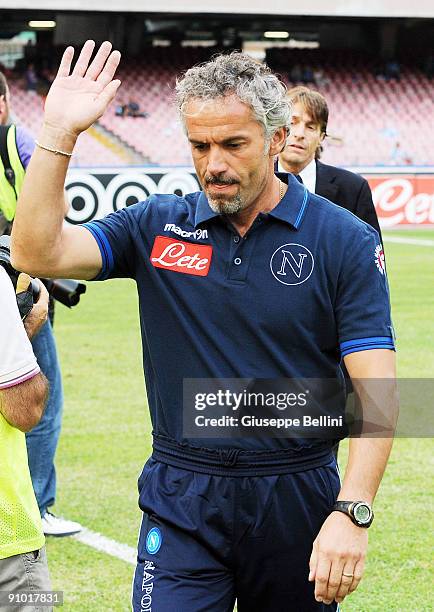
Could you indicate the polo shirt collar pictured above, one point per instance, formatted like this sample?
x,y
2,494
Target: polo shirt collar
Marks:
x,y
291,209
204,211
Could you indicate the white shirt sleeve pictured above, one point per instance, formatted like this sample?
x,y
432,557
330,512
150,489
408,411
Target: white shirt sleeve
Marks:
x,y
17,361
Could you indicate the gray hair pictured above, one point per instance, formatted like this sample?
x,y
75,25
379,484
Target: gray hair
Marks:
x,y
239,74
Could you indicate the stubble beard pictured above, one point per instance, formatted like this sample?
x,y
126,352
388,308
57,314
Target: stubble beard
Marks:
x,y
227,206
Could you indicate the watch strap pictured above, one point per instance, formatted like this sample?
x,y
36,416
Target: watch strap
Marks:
x,y
347,508
343,506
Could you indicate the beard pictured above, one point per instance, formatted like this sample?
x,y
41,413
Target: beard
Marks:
x,y
222,204
227,206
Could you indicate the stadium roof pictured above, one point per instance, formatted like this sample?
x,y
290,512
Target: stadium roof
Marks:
x,y
334,8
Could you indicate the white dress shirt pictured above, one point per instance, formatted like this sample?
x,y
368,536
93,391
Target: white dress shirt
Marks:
x,y
308,175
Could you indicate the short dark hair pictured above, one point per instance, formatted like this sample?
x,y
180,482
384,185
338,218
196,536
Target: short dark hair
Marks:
x,y
3,84
313,102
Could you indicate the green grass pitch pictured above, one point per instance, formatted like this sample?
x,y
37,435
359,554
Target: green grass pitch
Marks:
x,y
106,439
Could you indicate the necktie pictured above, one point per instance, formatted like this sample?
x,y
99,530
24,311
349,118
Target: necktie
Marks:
x,y
299,179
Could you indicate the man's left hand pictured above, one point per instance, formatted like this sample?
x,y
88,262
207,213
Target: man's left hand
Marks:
x,y
339,549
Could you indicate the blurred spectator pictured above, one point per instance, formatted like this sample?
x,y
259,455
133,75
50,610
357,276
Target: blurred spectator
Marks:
x,y
307,75
319,77
120,110
399,157
31,78
47,76
295,73
133,110
392,70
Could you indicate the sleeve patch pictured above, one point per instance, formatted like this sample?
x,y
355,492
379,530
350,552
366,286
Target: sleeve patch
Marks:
x,y
379,259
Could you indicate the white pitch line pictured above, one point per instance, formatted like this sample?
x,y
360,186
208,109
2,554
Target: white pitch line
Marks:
x,y
106,545
416,241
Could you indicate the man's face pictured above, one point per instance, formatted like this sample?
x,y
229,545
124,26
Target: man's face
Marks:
x,y
304,138
230,155
4,107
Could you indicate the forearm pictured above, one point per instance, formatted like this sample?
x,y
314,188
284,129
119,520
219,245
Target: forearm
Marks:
x,y
365,468
373,374
23,405
37,230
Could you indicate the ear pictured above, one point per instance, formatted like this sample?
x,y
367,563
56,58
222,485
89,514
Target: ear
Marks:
x,y
277,142
322,136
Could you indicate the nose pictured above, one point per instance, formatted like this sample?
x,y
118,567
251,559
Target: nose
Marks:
x,y
298,130
216,161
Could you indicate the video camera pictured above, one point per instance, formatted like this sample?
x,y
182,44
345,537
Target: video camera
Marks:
x,y
65,291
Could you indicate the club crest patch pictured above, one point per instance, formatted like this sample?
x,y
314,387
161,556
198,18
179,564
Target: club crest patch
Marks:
x,y
292,264
154,539
379,259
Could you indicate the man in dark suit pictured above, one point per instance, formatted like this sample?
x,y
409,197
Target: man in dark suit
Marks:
x,y
301,157
302,152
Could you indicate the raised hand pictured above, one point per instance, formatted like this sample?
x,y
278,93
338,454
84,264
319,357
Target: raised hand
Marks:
x,y
75,101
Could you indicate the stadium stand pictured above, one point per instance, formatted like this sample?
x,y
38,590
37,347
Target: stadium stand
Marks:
x,y
91,150
374,120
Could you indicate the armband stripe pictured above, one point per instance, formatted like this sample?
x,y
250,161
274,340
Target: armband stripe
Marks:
x,y
373,339
105,249
366,344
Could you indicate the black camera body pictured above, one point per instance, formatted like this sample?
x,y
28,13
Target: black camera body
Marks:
x,y
65,291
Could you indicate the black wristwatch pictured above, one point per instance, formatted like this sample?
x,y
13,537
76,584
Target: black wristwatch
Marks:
x,y
360,512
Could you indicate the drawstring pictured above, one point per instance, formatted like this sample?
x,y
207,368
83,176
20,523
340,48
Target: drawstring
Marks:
x,y
229,457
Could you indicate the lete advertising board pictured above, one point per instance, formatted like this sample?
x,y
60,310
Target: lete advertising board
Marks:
x,y
403,199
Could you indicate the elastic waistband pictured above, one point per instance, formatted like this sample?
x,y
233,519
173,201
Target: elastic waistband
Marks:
x,y
238,462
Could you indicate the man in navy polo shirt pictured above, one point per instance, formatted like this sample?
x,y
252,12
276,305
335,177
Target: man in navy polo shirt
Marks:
x,y
265,282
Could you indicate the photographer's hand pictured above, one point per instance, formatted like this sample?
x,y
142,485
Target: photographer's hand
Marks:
x,y
39,313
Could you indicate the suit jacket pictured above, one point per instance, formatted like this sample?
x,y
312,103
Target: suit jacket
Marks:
x,y
347,189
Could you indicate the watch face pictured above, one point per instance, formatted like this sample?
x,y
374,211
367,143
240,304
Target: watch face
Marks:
x,y
362,513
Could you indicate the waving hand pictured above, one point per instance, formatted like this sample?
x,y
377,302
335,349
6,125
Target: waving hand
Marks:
x,y
77,99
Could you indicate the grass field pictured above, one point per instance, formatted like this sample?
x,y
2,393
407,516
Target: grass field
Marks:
x,y
106,439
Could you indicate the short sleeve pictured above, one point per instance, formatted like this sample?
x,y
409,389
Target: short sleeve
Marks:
x,y
25,145
17,361
114,235
362,301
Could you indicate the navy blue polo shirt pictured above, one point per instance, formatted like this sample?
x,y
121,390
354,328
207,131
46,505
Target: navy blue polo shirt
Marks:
x,y
304,287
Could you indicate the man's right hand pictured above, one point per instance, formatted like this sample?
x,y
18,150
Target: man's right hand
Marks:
x,y
39,313
42,244
75,101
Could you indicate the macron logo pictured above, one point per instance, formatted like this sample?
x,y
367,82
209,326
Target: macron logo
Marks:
x,y
199,234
